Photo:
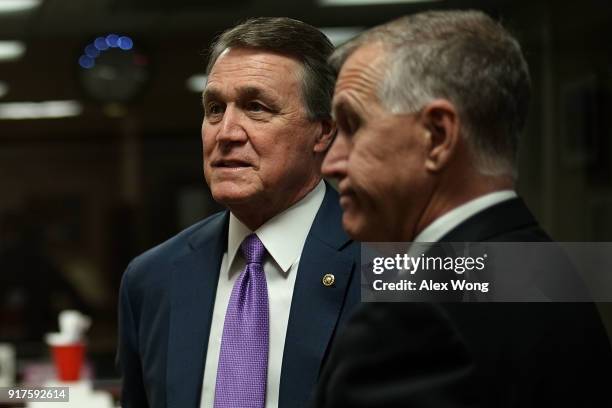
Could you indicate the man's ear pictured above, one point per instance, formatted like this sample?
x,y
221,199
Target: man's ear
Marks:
x,y
441,121
326,137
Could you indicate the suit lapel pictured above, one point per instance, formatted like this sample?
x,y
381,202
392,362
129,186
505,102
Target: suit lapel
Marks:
x,y
315,308
194,286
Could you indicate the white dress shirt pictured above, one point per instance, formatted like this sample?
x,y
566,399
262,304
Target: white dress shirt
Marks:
x,y
447,222
283,236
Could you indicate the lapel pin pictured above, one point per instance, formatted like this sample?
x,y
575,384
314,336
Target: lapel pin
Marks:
x,y
328,279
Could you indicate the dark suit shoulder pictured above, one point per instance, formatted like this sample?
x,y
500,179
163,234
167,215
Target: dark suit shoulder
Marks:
x,y
397,355
152,266
508,221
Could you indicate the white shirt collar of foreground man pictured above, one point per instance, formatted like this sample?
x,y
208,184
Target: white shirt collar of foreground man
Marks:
x,y
283,235
447,222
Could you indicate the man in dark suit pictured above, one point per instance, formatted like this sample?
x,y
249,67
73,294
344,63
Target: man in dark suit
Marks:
x,y
239,309
429,108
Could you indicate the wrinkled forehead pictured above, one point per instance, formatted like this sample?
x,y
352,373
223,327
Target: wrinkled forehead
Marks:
x,y
363,72
255,58
255,68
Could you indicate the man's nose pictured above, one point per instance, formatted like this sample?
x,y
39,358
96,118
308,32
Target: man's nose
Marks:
x,y
232,126
336,160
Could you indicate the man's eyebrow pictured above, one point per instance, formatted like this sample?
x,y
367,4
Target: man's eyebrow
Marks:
x,y
248,93
252,92
245,94
210,93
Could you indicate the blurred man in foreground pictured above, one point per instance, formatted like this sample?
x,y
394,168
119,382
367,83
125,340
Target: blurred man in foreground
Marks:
x,y
239,309
429,109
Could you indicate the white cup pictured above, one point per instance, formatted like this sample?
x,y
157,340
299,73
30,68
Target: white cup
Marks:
x,y
7,365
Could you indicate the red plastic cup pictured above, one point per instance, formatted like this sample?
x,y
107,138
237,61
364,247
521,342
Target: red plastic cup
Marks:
x,y
68,359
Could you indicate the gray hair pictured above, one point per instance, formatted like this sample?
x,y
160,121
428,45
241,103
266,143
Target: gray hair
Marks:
x,y
293,38
462,56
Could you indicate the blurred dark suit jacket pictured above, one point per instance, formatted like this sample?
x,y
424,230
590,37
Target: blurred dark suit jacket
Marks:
x,y
472,354
167,296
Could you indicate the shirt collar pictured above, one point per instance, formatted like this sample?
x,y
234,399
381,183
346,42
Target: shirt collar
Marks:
x,y
444,224
284,234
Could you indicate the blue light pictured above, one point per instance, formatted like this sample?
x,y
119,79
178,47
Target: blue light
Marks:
x,y
100,43
125,43
111,40
91,51
86,62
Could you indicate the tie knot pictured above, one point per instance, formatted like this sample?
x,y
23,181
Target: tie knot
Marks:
x,y
253,249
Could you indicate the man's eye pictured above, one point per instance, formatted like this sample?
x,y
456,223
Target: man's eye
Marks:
x,y
346,125
214,109
255,107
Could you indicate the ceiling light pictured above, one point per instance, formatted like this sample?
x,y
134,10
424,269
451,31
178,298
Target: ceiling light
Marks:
x,y
11,50
340,35
40,110
341,3
101,44
196,83
10,6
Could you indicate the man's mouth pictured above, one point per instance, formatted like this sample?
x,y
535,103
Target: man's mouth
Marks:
x,y
344,189
231,164
346,201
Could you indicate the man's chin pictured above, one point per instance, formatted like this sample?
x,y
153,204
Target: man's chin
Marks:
x,y
355,225
362,227
231,196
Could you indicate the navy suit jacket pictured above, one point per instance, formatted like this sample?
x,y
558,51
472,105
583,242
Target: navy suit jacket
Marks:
x,y
485,355
168,293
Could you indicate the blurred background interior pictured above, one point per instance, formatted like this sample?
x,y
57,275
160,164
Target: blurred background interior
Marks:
x,y
100,151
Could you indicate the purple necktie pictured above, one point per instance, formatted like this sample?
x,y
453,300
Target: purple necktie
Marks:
x,y
243,360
